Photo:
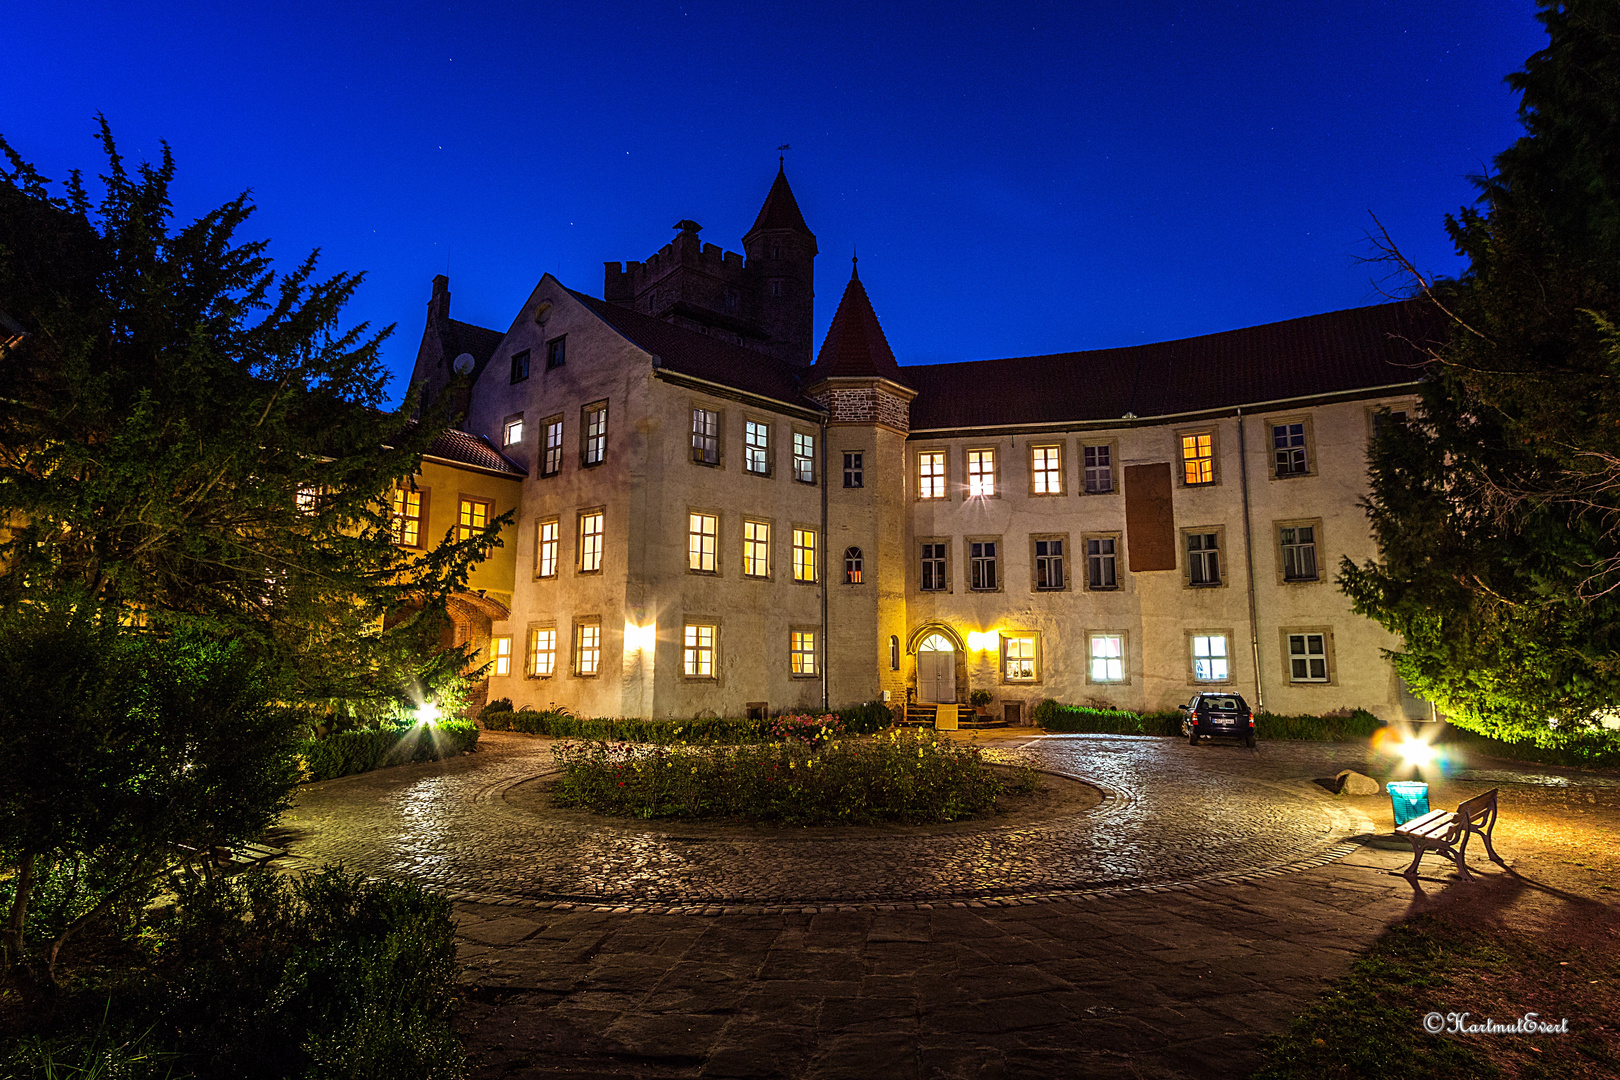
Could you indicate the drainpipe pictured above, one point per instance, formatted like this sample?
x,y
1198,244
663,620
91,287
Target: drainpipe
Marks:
x,y
1248,557
826,542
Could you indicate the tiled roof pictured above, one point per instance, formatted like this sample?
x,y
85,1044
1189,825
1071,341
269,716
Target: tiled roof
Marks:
x,y
855,344
713,359
467,338
469,449
781,209
1357,349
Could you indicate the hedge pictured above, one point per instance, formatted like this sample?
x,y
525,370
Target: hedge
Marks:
x,y
1599,749
1056,716
861,719
364,749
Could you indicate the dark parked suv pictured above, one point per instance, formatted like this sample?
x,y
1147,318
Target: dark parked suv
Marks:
x,y
1217,715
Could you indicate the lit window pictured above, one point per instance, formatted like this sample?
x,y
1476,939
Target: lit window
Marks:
x,y
1099,469
595,424
406,513
706,436
1102,562
590,542
1209,657
1048,564
1203,558
520,366
542,653
554,443
587,649
1198,458
1018,657
982,473
307,499
1046,469
804,458
1307,658
854,471
472,518
931,475
500,655
545,549
757,549
854,566
756,447
933,568
982,565
1107,658
698,655
556,352
804,555
1298,552
1288,449
512,431
802,651
702,531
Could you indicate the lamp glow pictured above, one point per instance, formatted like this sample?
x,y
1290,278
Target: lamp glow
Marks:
x,y
427,713
640,638
1417,753
982,640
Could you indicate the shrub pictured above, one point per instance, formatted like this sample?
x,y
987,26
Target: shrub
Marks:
x,y
1056,716
904,776
1586,750
864,719
867,718
364,749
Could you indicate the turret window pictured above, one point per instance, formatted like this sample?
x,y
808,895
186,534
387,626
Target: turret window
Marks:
x,y
854,566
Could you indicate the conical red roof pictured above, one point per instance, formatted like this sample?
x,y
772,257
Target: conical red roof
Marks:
x,y
781,209
855,346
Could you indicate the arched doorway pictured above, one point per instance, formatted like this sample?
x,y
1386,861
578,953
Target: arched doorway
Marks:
x,y
936,669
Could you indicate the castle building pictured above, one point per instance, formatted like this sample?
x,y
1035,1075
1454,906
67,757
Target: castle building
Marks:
x,y
709,521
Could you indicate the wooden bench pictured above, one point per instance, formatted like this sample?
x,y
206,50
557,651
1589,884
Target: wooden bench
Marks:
x,y
1447,832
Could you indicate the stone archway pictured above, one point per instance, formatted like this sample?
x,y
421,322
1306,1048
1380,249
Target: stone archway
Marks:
x,y
471,619
939,664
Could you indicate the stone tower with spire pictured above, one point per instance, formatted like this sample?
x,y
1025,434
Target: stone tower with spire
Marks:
x,y
764,302
855,378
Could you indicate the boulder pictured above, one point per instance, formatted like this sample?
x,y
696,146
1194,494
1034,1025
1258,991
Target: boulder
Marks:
x,y
1354,783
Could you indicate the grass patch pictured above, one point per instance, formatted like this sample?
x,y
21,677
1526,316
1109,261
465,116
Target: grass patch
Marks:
x,y
1368,1025
1056,716
903,776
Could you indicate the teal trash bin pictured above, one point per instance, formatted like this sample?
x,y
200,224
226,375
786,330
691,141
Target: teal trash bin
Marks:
x,y
1410,799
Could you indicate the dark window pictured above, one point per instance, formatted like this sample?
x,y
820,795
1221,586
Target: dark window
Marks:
x,y
1099,470
1299,552
554,447
556,352
520,366
933,567
706,436
1048,564
593,420
1383,421
1288,444
854,475
1307,658
854,566
1101,563
982,564
894,653
1203,559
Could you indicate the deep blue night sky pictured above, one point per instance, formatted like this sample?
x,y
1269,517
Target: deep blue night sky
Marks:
x,y
1020,179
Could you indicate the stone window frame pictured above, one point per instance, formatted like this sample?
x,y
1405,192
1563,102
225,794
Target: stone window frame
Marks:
x,y
950,581
997,562
578,647
1034,565
1062,467
1124,637
1118,538
531,654
1112,446
770,546
512,420
585,436
858,470
497,655
1309,435
520,367
421,518
1405,408
719,436
555,521
462,499
1222,563
814,532
547,447
967,471
795,433
770,446
719,554
1231,655
814,653
944,455
1038,658
1214,433
1328,659
1277,550
695,622
579,539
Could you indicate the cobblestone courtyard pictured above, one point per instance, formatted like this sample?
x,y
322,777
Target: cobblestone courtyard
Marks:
x,y
1160,933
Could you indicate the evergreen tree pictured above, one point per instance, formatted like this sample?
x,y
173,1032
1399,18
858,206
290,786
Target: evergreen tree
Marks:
x,y
1497,511
192,440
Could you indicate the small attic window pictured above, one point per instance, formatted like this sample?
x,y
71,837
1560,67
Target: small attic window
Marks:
x,y
556,352
520,366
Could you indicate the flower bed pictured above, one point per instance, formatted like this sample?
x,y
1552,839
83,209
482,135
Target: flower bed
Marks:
x,y
902,776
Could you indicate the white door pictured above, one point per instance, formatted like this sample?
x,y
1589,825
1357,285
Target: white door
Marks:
x,y
936,671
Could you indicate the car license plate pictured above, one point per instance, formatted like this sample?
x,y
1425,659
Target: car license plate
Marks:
x,y
1223,721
